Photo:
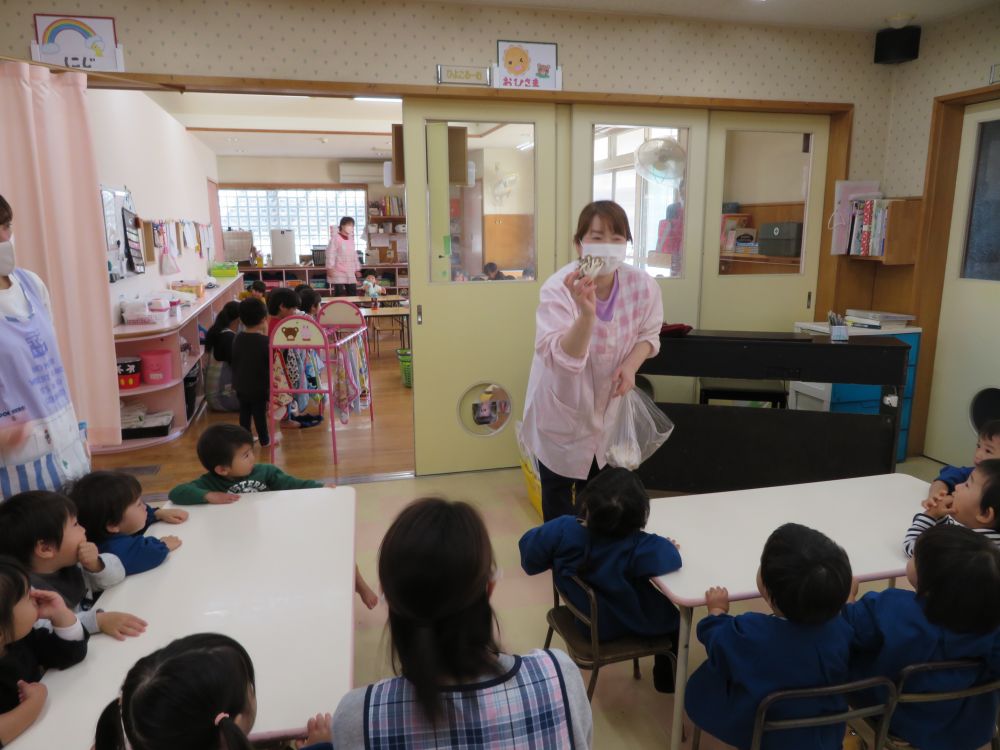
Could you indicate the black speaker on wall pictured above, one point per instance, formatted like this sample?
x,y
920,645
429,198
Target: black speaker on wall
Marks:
x,y
897,45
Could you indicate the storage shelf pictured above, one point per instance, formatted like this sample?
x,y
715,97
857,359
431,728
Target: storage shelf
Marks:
x,y
138,443
150,388
382,219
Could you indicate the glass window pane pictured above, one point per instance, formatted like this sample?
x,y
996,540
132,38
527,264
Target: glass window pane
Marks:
x,y
626,142
600,148
483,230
603,186
654,203
982,244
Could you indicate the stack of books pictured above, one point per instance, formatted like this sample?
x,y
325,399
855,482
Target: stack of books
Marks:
x,y
877,319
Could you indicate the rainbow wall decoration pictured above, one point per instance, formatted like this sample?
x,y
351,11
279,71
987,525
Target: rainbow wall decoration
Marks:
x,y
88,43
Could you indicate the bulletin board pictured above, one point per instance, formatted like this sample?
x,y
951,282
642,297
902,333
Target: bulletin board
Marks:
x,y
113,201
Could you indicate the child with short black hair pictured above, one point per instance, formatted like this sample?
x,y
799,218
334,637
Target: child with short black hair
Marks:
x,y
258,289
111,509
309,300
282,302
608,549
806,579
226,452
987,447
198,693
29,649
954,614
252,367
40,530
973,503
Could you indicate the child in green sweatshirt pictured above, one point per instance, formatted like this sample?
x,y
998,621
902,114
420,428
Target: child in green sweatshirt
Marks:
x,y
226,452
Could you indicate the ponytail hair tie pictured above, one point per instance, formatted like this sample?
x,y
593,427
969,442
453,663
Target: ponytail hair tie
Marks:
x,y
220,717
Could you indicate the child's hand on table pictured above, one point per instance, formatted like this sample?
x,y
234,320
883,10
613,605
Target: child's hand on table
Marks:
x,y
674,542
854,590
31,692
221,498
317,730
88,556
172,542
717,600
50,606
171,515
121,625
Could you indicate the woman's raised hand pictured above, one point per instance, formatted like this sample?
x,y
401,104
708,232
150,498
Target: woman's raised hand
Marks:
x,y
584,292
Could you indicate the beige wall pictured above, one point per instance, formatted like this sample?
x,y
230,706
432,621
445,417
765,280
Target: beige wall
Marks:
x,y
765,167
139,146
954,56
247,169
337,40
402,43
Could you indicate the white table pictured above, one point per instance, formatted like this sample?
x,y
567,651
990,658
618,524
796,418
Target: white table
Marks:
x,y
274,570
722,535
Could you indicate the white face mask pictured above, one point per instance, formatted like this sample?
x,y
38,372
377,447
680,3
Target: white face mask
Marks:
x,y
7,263
612,254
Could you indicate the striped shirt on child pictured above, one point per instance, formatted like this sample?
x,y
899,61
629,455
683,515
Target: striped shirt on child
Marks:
x,y
922,522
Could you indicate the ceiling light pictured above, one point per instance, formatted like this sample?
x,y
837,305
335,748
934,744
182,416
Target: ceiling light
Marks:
x,y
527,146
324,139
233,140
379,99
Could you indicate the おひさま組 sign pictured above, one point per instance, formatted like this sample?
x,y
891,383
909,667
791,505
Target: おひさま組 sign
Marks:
x,y
527,65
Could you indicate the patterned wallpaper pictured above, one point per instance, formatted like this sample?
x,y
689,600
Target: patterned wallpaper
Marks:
x,y
401,42
955,55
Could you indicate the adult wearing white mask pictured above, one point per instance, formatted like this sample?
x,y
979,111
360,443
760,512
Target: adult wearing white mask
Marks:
x,y
597,321
41,444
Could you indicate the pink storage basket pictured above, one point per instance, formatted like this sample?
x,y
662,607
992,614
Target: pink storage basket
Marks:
x,y
157,366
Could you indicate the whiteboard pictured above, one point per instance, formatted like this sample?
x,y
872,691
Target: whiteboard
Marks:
x,y
113,200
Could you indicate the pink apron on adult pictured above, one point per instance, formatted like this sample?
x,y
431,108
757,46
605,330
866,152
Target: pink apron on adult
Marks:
x,y
34,391
342,264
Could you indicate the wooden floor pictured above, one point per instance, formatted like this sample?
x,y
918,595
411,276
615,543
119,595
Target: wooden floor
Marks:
x,y
365,450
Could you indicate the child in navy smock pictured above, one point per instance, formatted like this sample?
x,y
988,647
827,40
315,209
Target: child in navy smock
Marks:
x,y
806,579
954,614
608,550
987,447
973,503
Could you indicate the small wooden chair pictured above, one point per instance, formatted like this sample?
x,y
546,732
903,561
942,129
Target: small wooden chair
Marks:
x,y
587,651
905,696
762,724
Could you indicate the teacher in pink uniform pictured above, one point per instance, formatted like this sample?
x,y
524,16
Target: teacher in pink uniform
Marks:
x,y
343,271
592,334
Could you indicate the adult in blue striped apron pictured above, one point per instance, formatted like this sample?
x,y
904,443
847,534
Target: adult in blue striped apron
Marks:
x,y
42,445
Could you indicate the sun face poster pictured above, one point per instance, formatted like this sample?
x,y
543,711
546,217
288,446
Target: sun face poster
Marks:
x,y
527,65
84,42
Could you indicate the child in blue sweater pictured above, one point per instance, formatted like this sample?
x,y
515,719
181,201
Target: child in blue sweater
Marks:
x,y
974,503
954,614
111,509
607,548
987,447
806,579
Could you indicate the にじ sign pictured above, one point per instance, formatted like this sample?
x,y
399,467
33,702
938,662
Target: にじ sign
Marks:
x,y
84,42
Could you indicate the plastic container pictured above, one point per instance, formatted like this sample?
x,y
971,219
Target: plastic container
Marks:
x,y
129,373
157,366
228,268
405,357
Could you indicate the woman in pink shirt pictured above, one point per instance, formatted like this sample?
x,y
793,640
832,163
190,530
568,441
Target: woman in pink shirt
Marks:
x,y
343,272
592,334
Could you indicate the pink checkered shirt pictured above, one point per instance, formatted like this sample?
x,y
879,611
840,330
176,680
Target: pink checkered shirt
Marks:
x,y
568,407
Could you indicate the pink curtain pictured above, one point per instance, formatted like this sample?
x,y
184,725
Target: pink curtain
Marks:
x,y
49,176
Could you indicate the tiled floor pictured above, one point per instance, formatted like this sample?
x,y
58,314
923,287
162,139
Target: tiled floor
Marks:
x,y
627,713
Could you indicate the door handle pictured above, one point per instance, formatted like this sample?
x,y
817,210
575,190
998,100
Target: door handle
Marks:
x,y
420,315
809,300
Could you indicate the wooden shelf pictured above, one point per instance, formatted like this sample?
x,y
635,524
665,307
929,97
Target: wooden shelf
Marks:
x,y
134,445
384,219
150,388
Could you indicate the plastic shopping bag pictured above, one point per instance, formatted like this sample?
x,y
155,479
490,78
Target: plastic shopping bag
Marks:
x,y
638,431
